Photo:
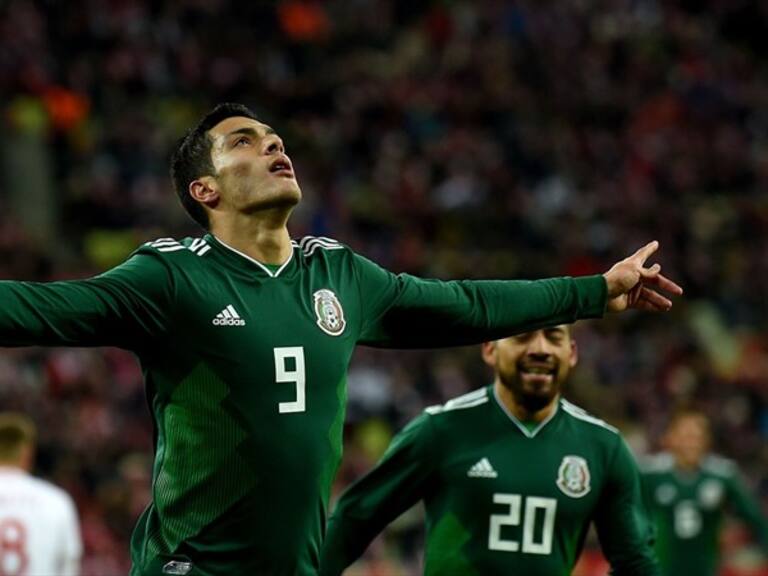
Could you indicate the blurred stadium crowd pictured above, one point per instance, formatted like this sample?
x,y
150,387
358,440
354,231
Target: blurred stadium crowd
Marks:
x,y
448,139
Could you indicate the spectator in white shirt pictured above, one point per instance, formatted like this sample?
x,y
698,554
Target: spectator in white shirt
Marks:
x,y
39,529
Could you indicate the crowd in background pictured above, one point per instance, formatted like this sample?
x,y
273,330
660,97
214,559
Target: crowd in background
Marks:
x,y
472,139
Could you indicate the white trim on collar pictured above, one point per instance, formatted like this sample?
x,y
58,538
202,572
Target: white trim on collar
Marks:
x,y
269,272
520,425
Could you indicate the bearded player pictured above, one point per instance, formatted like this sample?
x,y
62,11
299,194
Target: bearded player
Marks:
x,y
689,492
511,477
245,336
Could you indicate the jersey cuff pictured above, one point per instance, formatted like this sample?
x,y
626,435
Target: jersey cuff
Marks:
x,y
592,294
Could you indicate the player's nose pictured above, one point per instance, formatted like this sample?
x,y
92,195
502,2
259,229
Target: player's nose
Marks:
x,y
539,345
273,144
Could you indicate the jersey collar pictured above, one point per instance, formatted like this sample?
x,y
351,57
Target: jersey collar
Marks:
x,y
527,433
240,255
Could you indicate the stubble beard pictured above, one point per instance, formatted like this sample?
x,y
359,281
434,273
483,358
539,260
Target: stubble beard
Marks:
x,y
531,400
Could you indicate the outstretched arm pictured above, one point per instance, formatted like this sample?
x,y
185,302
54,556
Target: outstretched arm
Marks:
x,y
126,306
402,311
365,509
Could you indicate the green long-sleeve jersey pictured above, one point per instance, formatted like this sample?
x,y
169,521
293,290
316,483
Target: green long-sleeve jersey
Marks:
x,y
245,370
501,498
689,508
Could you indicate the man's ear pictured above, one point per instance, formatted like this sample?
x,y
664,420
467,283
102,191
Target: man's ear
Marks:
x,y
574,359
489,353
205,190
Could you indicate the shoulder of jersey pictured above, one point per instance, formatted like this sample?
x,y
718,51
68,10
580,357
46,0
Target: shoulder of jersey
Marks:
x,y
584,417
719,466
53,494
461,404
186,246
311,245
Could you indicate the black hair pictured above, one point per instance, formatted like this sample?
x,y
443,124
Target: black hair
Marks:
x,y
192,157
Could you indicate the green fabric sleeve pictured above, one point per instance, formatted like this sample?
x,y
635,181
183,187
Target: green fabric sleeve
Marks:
x,y
402,311
621,520
748,510
126,306
397,482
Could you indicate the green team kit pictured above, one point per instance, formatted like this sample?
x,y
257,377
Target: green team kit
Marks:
x,y
501,497
245,370
689,508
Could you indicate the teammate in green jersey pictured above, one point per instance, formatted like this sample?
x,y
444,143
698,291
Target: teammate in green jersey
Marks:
x,y
689,492
244,337
511,476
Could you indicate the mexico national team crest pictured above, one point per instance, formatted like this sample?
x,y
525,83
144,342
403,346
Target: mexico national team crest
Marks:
x,y
329,313
573,477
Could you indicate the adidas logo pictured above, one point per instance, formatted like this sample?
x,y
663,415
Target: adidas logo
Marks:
x,y
482,469
228,317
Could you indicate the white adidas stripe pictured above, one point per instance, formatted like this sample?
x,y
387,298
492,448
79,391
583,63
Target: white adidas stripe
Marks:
x,y
314,249
581,414
324,239
233,311
196,243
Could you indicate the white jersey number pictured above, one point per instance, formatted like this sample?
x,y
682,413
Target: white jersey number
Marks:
x,y
687,520
296,376
533,506
13,548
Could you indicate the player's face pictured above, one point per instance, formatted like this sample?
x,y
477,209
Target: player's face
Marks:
x,y
688,440
534,365
253,171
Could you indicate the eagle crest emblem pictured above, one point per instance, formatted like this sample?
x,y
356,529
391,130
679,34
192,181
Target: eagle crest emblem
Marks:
x,y
573,477
328,312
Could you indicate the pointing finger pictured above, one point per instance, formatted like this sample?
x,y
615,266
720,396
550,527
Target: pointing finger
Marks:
x,y
643,253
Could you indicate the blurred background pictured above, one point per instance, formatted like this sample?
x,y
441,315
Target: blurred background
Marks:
x,y
477,139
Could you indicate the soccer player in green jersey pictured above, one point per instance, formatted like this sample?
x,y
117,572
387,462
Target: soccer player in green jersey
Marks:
x,y
511,476
689,491
244,337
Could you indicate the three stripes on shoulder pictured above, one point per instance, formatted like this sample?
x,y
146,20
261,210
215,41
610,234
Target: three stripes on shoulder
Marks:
x,y
199,245
309,244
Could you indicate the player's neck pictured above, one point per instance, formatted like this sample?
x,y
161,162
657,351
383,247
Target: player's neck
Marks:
x,y
687,467
521,412
262,237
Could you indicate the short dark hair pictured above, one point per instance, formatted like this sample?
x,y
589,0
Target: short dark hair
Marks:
x,y
192,157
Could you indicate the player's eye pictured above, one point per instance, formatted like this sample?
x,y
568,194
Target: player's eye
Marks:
x,y
243,140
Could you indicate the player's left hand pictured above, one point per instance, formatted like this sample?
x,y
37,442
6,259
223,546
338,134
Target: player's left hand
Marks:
x,y
632,285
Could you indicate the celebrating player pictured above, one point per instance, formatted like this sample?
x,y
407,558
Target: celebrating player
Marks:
x,y
689,492
511,476
245,337
39,531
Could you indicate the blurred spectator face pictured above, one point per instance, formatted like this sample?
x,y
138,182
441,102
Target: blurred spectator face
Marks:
x,y
252,169
533,366
688,439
